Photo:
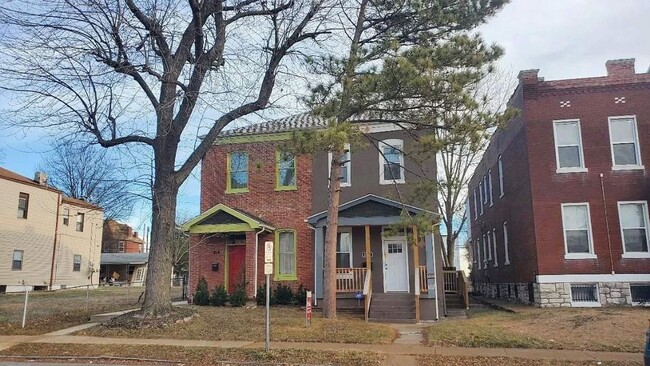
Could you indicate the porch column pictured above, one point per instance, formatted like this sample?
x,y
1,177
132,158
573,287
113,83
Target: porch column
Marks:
x,y
416,270
432,275
368,259
318,262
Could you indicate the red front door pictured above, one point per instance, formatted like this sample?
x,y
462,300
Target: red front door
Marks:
x,y
236,267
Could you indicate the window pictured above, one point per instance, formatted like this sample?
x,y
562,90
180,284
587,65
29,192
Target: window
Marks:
x,y
346,167
80,221
490,186
505,243
584,295
485,190
66,216
76,263
475,206
285,169
485,259
480,198
500,163
489,246
576,222
17,263
139,275
478,252
120,246
344,250
633,217
391,162
568,146
625,143
494,244
23,205
640,294
285,255
237,172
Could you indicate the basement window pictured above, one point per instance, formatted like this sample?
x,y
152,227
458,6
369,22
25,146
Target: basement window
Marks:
x,y
584,295
640,294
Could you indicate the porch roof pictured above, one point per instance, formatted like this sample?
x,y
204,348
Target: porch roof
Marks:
x,y
369,210
224,219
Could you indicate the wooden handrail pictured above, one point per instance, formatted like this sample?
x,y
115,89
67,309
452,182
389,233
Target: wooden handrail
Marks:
x,y
424,285
367,293
350,279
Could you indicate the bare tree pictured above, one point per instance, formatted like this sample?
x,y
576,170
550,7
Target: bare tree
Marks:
x,y
136,72
84,172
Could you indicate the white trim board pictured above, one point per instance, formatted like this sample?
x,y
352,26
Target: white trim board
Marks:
x,y
592,278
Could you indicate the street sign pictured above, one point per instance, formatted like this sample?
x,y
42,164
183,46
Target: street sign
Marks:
x,y
308,308
268,268
268,252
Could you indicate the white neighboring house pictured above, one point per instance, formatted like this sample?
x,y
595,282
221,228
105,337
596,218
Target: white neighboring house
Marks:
x,y
47,240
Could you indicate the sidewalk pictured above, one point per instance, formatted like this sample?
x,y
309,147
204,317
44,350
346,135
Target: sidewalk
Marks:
x,y
391,350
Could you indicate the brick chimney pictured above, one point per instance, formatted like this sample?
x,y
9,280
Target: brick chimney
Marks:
x,y
528,76
40,178
135,234
620,68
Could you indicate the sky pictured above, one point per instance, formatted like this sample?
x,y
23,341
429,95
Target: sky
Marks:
x,y
562,38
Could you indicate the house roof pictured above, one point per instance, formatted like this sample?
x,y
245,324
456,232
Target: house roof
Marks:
x,y
371,198
81,203
303,121
222,218
124,258
12,176
114,230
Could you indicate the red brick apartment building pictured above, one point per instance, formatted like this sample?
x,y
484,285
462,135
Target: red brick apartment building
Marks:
x,y
559,202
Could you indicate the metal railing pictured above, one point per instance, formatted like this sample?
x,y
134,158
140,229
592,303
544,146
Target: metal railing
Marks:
x,y
450,281
350,279
424,285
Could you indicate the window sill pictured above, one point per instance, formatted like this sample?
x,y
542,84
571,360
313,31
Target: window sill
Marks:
x,y
235,191
387,182
507,263
585,304
636,255
580,256
285,278
501,196
345,185
571,170
280,189
496,265
628,167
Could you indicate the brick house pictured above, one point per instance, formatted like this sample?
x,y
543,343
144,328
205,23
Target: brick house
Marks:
x,y
251,192
120,238
559,202
47,240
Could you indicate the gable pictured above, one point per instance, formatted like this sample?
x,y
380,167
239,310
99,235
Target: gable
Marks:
x,y
370,209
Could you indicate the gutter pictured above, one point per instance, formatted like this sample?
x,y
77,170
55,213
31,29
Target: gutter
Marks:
x,y
56,233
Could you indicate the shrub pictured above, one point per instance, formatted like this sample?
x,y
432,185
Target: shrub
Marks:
x,y
300,297
219,296
282,295
238,297
202,294
260,298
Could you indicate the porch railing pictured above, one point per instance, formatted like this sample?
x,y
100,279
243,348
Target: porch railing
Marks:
x,y
424,286
350,279
451,282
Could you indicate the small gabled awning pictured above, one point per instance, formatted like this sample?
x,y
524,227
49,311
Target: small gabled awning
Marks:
x,y
224,219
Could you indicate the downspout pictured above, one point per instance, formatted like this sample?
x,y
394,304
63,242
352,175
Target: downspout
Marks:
x,y
257,245
609,237
56,233
314,229
435,269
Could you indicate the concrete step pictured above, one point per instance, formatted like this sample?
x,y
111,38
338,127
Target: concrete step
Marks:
x,y
392,314
375,307
390,320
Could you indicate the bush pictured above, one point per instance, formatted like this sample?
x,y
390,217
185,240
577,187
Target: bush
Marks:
x,y
260,298
238,297
219,296
300,297
202,294
282,295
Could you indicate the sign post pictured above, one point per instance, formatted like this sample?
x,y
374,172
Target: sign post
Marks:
x,y
268,270
308,309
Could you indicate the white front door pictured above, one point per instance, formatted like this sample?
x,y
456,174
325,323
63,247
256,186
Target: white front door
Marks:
x,y
395,266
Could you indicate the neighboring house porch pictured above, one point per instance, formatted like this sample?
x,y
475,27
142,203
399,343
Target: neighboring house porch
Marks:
x,y
123,269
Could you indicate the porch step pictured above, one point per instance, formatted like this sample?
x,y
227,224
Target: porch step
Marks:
x,y
392,308
454,301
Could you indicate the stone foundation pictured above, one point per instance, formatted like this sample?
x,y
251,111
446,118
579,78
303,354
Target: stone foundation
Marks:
x,y
555,295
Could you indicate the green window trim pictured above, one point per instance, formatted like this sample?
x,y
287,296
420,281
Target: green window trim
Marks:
x,y
276,266
229,188
278,186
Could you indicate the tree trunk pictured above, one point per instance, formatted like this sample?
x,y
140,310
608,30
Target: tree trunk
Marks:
x,y
329,255
157,298
450,243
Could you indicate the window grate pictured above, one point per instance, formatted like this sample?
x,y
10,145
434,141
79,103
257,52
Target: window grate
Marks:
x,y
584,293
640,293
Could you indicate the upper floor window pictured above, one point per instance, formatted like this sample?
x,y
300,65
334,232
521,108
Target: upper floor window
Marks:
x,y
17,262
494,246
80,221
237,172
346,167
505,243
120,246
66,216
391,162
23,205
490,186
568,146
285,170
576,222
634,228
76,263
500,165
344,250
480,195
485,190
475,206
625,143
285,255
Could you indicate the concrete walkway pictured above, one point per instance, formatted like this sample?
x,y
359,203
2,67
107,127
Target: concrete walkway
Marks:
x,y
392,350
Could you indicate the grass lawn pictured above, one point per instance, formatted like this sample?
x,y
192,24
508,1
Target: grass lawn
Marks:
x,y
248,324
50,311
596,329
430,360
198,355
